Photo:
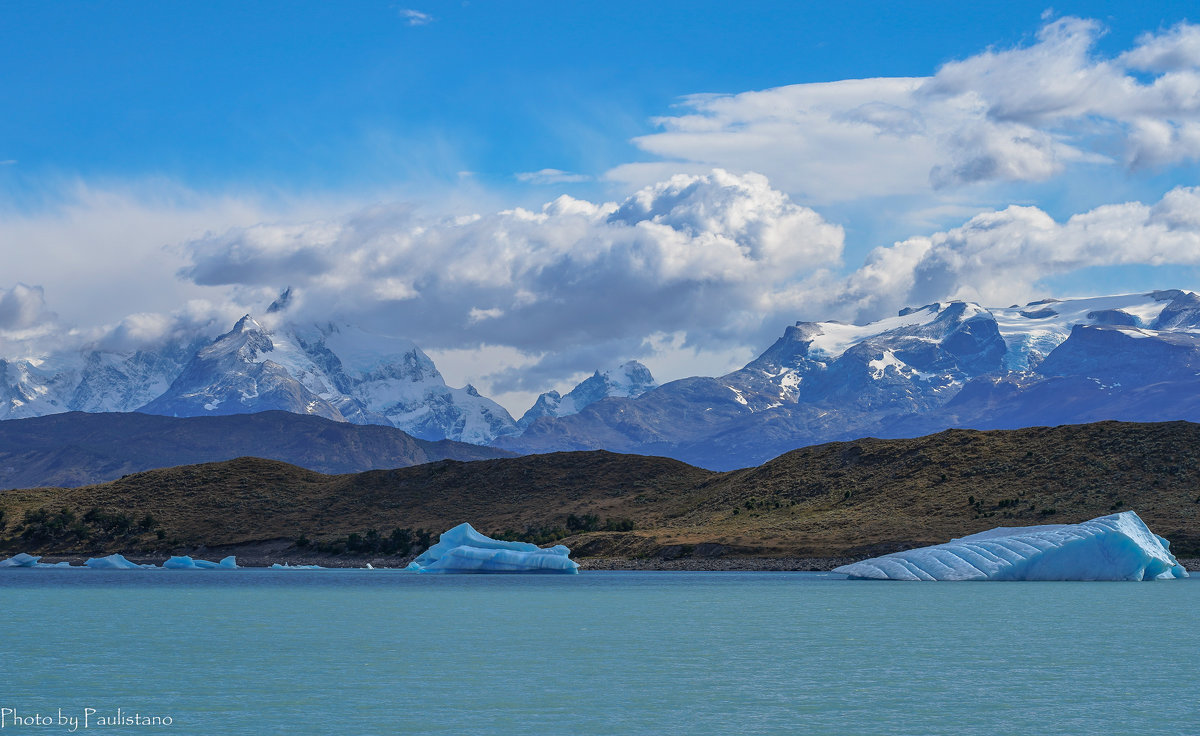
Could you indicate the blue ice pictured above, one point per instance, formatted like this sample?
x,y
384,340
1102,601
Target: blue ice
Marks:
x,y
1115,547
20,560
464,550
184,562
113,562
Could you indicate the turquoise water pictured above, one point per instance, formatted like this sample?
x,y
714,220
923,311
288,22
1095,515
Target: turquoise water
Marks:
x,y
384,652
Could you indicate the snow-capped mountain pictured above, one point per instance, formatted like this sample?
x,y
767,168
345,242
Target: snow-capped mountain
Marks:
x,y
93,379
1134,357
949,364
628,380
335,371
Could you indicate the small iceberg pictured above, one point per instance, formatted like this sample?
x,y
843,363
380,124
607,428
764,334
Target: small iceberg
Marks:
x,y
183,562
464,550
1115,547
20,560
286,566
113,562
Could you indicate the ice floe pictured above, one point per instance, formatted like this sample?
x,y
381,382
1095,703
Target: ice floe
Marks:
x,y
464,550
1115,547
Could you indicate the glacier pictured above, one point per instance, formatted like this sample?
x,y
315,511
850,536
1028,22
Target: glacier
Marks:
x,y
464,550
1115,547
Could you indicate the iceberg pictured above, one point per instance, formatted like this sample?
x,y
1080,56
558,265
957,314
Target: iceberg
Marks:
x,y
464,550
1115,547
286,566
183,562
20,560
113,562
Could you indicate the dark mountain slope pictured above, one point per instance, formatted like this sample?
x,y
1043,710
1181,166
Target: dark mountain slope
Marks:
x,y
77,448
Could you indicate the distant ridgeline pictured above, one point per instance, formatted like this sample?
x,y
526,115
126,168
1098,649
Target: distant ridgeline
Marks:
x,y
77,448
950,364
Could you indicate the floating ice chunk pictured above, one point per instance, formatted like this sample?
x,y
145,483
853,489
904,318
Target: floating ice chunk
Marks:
x,y
1114,547
286,566
20,560
64,563
113,562
464,550
183,562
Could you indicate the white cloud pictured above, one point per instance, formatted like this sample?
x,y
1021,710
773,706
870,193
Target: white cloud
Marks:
x,y
551,176
416,17
23,307
1178,48
1017,115
581,284
100,254
997,258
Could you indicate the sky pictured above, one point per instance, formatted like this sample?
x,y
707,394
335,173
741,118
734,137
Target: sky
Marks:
x,y
534,190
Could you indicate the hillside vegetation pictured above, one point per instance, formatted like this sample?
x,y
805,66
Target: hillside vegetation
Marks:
x,y
843,499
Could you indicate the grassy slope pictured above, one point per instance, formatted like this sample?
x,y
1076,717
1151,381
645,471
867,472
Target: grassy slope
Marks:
x,y
840,499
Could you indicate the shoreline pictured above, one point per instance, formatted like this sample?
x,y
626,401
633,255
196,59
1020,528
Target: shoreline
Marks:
x,y
586,564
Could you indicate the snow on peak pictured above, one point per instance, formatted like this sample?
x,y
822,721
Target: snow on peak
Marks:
x,y
628,380
1032,331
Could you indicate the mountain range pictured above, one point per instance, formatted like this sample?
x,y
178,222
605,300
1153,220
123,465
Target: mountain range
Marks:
x,y
335,371
948,364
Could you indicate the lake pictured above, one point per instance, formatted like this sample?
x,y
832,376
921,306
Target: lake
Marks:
x,y
388,652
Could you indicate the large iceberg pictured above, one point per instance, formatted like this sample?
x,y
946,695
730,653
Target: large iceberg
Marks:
x,y
1115,547
183,562
20,560
113,562
464,550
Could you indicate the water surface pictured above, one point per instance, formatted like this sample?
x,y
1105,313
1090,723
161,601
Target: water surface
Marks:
x,y
386,652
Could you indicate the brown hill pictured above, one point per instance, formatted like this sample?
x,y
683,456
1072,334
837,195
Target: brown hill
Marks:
x,y
835,500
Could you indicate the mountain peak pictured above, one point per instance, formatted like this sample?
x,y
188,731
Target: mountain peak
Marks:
x,y
628,380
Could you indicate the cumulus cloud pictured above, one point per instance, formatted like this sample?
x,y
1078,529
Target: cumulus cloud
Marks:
x,y
715,256
1176,49
1015,115
23,307
996,258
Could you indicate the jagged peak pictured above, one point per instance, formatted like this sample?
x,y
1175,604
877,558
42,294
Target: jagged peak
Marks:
x,y
245,324
282,302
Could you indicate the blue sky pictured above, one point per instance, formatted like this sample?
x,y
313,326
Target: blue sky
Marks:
x,y
189,159
316,96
